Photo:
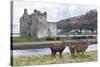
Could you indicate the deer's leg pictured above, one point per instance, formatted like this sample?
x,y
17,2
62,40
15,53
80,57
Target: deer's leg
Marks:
x,y
54,54
60,54
78,52
72,52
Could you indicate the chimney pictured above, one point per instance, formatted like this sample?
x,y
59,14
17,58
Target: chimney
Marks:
x,y
35,10
25,11
45,13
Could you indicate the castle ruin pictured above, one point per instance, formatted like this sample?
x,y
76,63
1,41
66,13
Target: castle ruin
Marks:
x,y
36,25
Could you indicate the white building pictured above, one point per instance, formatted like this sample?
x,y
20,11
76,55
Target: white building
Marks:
x,y
52,28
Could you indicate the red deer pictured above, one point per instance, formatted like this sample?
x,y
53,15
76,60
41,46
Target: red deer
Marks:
x,y
57,47
78,47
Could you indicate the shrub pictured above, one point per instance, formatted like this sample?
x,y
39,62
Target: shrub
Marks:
x,y
80,37
90,37
57,38
50,38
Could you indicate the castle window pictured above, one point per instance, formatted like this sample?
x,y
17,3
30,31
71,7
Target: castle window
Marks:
x,y
48,29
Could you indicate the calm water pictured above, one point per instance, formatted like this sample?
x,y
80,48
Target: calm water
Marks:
x,y
43,51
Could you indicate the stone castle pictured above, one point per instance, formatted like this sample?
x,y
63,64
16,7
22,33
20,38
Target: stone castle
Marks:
x,y
36,25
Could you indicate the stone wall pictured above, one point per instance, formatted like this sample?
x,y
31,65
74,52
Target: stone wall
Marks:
x,y
34,25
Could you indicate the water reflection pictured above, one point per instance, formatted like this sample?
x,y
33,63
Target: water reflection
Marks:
x,y
43,51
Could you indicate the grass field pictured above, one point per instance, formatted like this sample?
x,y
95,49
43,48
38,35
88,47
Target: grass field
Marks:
x,y
47,59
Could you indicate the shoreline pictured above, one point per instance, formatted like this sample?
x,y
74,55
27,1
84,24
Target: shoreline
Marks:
x,y
33,45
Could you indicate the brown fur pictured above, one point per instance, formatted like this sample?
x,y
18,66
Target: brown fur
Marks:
x,y
78,47
57,47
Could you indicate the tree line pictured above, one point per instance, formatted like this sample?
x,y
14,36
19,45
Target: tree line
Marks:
x,y
88,21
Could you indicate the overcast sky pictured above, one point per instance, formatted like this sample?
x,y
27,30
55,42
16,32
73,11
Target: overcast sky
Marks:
x,y
55,11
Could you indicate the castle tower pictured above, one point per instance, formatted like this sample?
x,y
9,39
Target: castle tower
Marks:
x,y
42,25
34,25
39,24
25,24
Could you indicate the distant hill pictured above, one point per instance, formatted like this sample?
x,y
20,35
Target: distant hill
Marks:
x,y
88,21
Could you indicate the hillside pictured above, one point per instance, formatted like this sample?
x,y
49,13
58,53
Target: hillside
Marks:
x,y
88,21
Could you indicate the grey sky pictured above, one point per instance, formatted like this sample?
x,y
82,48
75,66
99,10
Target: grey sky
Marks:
x,y
55,11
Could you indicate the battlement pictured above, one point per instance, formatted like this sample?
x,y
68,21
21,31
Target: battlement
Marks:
x,y
36,12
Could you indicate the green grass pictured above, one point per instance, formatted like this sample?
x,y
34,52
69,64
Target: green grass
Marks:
x,y
29,39
46,59
21,39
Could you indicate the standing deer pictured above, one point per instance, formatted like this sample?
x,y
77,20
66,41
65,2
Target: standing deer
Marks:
x,y
57,47
78,47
